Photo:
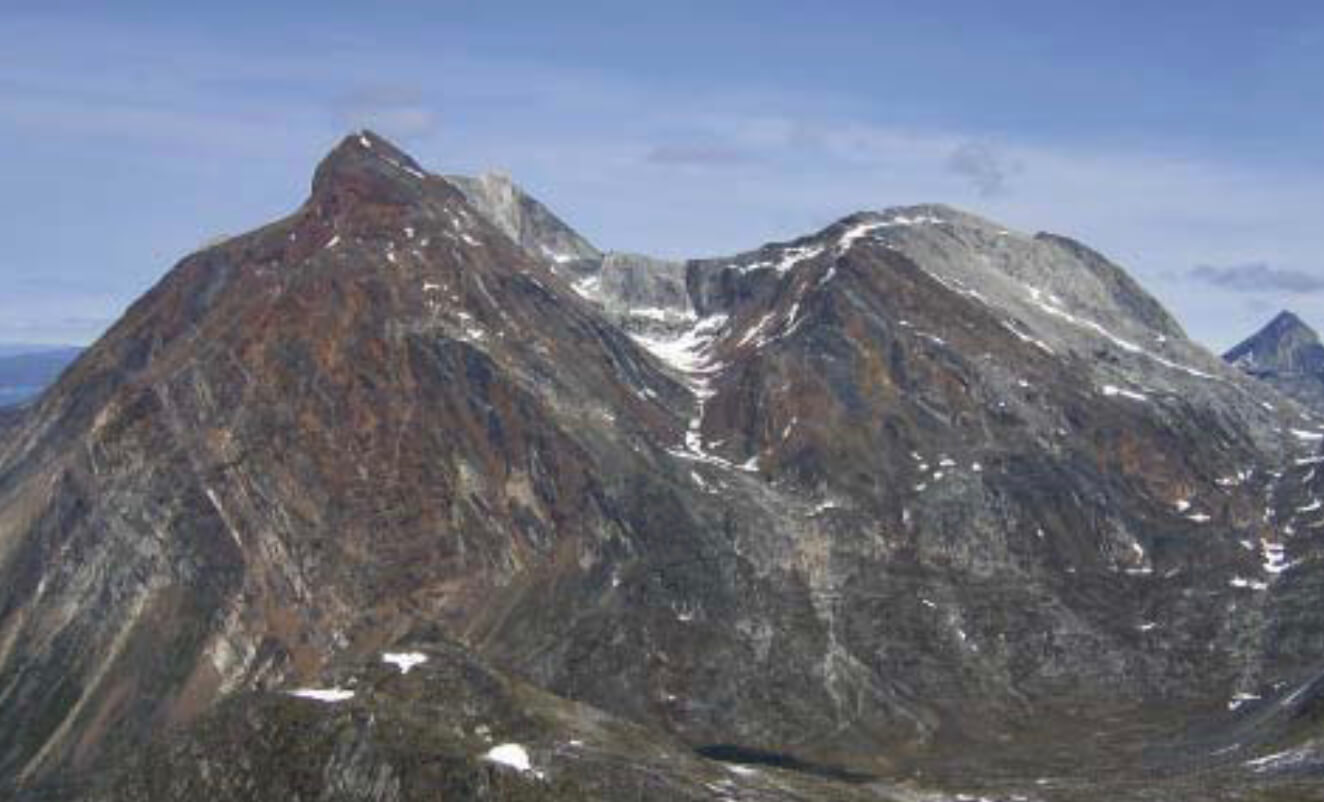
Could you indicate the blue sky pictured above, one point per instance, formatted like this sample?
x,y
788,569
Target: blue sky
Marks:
x,y
1182,139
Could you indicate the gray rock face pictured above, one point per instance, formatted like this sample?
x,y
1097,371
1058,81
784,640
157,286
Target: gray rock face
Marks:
x,y
1287,354
914,496
637,292
523,219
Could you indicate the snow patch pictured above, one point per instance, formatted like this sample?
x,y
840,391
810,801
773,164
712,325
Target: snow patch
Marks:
x,y
1275,557
1279,760
404,660
789,258
1248,584
1112,390
588,288
1240,699
856,232
512,755
1026,338
823,507
662,315
329,695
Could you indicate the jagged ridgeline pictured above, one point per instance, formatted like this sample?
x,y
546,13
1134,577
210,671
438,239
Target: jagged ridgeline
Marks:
x,y
415,492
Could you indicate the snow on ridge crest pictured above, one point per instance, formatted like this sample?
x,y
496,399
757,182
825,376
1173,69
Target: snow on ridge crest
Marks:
x,y
790,257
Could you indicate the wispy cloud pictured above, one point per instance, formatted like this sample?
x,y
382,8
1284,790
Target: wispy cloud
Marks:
x,y
985,168
395,111
697,155
1258,277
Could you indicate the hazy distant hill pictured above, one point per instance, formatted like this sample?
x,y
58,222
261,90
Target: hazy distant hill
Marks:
x,y
26,370
1287,354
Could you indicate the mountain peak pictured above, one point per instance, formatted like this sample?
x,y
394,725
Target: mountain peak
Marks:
x,y
365,144
366,165
1286,330
1287,323
1285,345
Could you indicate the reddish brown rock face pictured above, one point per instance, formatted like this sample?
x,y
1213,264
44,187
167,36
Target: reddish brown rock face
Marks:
x,y
874,515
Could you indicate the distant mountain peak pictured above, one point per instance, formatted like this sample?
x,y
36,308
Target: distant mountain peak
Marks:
x,y
1286,353
1285,344
1286,322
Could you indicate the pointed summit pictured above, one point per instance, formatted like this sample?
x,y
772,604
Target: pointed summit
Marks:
x,y
365,166
1287,354
1284,345
1287,324
367,146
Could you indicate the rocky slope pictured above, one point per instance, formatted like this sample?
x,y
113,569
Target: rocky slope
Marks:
x,y
435,720
1287,354
912,502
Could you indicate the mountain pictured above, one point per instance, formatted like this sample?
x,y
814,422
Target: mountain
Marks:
x,y
1287,354
25,373
911,506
